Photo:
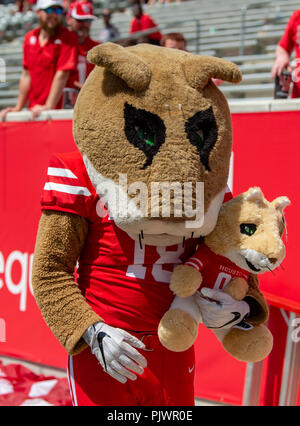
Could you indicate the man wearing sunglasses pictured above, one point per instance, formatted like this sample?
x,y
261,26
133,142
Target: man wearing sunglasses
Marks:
x,y
49,55
79,20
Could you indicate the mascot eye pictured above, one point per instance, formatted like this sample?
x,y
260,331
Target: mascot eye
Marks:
x,y
144,130
248,229
145,135
202,132
200,138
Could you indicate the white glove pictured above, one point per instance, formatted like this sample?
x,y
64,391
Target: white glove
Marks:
x,y
221,312
114,350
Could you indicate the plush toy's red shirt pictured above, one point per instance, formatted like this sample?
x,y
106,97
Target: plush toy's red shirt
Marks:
x,y
217,271
128,286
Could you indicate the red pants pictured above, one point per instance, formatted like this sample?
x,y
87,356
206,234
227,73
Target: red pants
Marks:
x,y
167,380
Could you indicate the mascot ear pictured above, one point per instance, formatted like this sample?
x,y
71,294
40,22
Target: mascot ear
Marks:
x,y
200,69
124,64
281,203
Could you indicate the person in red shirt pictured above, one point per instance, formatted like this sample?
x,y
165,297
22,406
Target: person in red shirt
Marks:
x,y
290,41
49,54
173,41
79,21
142,22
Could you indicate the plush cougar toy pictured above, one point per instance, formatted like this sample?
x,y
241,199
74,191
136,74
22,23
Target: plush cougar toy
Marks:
x,y
246,239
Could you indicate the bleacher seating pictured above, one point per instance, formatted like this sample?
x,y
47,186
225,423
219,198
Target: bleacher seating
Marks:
x,y
212,28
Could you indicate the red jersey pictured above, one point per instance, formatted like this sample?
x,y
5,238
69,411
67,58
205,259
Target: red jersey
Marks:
x,y
217,271
58,54
291,40
128,286
144,23
83,66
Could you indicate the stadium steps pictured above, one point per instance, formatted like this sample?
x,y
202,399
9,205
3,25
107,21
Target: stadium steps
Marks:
x,y
248,90
220,25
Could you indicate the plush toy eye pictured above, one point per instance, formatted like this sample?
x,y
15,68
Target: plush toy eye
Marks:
x,y
202,132
248,229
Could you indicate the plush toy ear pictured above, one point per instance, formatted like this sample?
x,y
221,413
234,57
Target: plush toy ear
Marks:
x,y
200,69
281,203
254,194
123,64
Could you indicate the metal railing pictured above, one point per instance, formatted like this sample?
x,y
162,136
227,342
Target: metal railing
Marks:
x,y
140,34
244,11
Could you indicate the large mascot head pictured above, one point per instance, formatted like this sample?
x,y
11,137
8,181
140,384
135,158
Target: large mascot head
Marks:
x,y
150,117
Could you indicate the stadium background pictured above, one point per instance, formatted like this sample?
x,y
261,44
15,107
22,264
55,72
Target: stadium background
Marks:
x,y
266,153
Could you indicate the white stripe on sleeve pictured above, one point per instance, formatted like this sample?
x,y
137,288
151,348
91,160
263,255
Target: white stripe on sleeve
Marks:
x,y
189,263
195,259
67,189
58,171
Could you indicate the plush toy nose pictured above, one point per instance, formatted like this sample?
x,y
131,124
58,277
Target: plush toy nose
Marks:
x,y
272,260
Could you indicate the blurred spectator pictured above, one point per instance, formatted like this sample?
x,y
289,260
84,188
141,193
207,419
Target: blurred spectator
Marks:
x,y
177,41
50,53
67,4
110,32
142,22
290,41
24,5
173,41
79,20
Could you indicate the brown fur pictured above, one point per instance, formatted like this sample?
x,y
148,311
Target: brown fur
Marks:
x,y
178,330
188,275
250,346
60,239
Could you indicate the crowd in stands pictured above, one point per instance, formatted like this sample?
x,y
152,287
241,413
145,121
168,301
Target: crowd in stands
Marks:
x,y
54,54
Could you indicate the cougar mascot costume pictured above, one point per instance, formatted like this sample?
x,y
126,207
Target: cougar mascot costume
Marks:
x,y
146,115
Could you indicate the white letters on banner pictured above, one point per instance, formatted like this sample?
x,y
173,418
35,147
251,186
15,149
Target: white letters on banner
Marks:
x,y
6,279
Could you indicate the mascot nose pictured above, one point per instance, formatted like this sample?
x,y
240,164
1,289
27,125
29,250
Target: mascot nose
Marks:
x,y
272,259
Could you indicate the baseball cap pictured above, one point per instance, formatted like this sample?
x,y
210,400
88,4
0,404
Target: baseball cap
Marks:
x,y
44,4
82,10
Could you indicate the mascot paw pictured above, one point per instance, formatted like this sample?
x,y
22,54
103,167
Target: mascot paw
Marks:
x,y
185,281
249,346
177,330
